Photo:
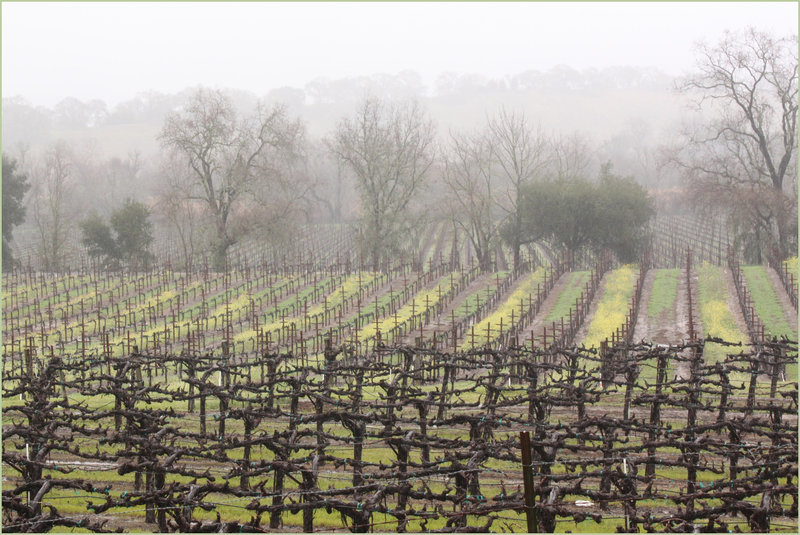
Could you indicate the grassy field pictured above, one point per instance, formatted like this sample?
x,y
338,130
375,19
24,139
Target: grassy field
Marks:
x,y
566,298
488,328
663,294
715,314
765,302
791,263
613,305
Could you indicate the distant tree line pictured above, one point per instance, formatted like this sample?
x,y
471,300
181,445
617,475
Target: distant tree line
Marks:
x,y
226,173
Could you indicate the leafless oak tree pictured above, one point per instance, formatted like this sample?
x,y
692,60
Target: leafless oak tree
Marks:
x,y
389,148
332,194
467,171
522,155
183,214
228,156
53,185
571,156
745,156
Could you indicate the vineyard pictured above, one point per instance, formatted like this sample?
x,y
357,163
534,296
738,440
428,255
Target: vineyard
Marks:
x,y
298,390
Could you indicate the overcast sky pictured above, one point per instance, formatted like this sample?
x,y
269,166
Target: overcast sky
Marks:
x,y
113,51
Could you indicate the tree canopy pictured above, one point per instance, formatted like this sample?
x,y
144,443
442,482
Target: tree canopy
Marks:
x,y
612,213
126,241
15,185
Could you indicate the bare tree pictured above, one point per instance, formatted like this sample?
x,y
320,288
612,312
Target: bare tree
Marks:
x,y
53,184
331,192
124,177
471,185
745,156
183,214
228,156
96,178
389,148
274,209
572,156
521,155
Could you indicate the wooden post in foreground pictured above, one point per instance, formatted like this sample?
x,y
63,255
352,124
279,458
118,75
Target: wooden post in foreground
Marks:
x,y
527,477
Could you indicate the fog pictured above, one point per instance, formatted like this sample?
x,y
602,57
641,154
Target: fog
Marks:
x,y
114,51
95,82
74,70
313,235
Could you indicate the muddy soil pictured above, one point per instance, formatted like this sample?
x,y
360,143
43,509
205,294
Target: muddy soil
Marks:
x,y
672,325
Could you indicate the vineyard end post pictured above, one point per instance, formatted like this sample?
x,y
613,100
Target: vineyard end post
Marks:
x,y
527,476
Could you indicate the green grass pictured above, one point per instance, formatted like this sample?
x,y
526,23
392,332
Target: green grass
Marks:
x,y
664,293
613,305
474,300
791,264
488,329
566,299
767,306
765,302
660,309
715,314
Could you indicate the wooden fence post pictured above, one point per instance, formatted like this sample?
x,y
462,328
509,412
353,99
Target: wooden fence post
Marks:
x,y
527,476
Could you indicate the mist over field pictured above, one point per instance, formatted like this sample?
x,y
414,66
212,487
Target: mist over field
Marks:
x,y
598,86
399,267
600,104
621,114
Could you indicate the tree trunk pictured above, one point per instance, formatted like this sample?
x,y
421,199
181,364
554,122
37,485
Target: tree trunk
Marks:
x,y
220,252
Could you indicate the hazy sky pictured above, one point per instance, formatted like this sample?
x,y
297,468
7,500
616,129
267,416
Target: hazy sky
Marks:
x,y
113,51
